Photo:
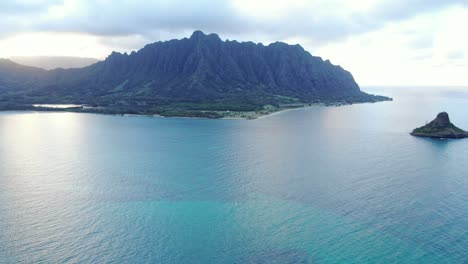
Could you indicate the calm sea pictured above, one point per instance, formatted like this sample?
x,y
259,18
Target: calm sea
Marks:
x,y
317,185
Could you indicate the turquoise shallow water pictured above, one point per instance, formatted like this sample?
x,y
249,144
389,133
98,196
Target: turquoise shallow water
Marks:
x,y
317,185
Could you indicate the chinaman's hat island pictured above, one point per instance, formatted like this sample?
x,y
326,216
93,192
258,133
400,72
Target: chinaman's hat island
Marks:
x,y
441,127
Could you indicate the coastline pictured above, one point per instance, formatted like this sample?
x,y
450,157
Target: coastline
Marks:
x,y
314,105
260,115
200,114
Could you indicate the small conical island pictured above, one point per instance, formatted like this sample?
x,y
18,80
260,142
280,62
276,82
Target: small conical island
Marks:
x,y
441,127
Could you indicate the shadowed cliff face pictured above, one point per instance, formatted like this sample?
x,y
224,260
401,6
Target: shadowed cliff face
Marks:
x,y
442,120
205,64
202,69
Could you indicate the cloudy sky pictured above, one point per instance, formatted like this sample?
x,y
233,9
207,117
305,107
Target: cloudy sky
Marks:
x,y
382,42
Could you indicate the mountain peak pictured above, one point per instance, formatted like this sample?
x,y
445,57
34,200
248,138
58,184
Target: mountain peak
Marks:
x,y
442,120
116,55
198,35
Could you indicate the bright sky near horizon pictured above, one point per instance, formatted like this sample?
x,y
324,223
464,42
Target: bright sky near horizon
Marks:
x,y
382,42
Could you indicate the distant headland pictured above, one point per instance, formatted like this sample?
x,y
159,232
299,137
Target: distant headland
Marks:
x,y
200,76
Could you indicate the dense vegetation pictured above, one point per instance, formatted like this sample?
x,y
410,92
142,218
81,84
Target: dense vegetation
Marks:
x,y
197,76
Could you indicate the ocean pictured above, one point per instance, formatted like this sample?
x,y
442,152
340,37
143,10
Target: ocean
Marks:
x,y
316,185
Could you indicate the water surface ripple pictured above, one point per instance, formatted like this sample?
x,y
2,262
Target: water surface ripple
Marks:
x,y
318,185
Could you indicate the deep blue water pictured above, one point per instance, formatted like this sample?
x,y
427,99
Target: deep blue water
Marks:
x,y
317,185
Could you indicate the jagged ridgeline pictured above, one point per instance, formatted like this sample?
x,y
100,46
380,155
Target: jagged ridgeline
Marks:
x,y
192,76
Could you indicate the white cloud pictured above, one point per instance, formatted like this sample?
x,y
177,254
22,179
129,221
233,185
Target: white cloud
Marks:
x,y
379,41
390,56
52,44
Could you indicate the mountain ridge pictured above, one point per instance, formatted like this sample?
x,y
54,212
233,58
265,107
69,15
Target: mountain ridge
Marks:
x,y
200,73
54,62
